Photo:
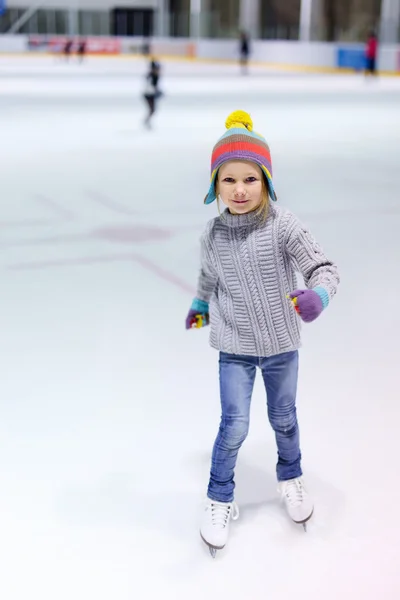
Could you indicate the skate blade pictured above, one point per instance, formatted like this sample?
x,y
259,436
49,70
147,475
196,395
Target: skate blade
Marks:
x,y
212,549
304,523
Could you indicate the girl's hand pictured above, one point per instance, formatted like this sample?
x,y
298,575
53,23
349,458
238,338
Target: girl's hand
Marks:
x,y
308,304
195,320
198,315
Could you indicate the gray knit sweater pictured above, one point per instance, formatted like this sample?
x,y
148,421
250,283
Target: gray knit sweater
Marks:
x,y
247,270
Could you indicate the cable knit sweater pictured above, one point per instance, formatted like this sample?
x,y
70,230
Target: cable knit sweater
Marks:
x,y
247,269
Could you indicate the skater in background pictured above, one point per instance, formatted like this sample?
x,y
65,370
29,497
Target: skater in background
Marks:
x,y
371,53
146,47
81,50
247,291
152,91
244,52
68,49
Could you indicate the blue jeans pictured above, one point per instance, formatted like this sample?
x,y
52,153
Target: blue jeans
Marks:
x,y
237,375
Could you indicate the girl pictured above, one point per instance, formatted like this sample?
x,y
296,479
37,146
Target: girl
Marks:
x,y
249,258
152,92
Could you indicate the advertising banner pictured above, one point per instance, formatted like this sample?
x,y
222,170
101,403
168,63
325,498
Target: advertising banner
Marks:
x,y
351,58
57,44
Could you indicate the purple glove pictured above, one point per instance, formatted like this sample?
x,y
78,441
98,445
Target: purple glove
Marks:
x,y
198,315
310,303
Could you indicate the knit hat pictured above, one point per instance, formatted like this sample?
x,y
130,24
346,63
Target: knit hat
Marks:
x,y
240,142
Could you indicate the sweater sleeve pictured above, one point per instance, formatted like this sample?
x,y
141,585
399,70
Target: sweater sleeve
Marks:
x,y
309,259
207,279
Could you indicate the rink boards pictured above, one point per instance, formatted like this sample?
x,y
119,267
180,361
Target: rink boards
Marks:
x,y
314,56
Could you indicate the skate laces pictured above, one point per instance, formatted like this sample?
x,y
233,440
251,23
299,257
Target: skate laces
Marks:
x,y
294,492
221,512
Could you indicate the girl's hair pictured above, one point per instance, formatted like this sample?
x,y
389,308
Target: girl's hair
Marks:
x,y
262,210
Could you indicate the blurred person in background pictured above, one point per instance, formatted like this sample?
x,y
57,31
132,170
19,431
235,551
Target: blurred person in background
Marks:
x,y
371,53
81,50
244,51
152,92
146,47
68,49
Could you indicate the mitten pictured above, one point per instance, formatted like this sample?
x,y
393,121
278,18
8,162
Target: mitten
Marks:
x,y
198,315
309,304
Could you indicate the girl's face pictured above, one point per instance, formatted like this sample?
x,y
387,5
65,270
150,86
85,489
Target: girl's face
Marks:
x,y
240,186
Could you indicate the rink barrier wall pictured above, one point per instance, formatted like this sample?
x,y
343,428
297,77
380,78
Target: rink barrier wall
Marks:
x,y
55,44
110,45
352,56
303,54
314,57
12,43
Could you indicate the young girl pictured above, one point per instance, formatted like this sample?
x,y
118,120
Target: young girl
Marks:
x,y
249,258
152,92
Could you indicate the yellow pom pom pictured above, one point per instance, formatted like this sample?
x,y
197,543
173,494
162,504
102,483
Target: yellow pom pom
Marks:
x,y
239,118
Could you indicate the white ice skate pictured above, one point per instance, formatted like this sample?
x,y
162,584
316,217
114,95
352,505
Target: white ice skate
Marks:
x,y
297,500
214,528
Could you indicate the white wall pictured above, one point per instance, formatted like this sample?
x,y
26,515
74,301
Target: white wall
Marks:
x,y
160,46
389,58
12,43
223,49
279,52
315,54
83,4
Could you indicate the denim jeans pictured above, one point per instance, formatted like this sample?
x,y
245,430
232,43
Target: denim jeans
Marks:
x,y
237,375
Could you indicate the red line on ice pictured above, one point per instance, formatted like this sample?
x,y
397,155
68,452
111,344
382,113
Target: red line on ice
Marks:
x,y
57,208
141,260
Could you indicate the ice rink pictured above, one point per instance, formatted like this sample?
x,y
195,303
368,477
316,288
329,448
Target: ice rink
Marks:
x,y
109,408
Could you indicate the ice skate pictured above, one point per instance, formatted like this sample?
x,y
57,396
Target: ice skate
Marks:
x,y
298,503
214,528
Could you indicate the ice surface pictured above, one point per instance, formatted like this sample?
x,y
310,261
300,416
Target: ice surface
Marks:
x,y
109,408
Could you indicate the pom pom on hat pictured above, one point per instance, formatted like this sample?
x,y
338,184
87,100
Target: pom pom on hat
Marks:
x,y
239,118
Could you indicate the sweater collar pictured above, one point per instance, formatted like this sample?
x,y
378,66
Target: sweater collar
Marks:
x,y
249,219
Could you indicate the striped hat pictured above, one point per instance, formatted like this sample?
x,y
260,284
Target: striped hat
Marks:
x,y
240,142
